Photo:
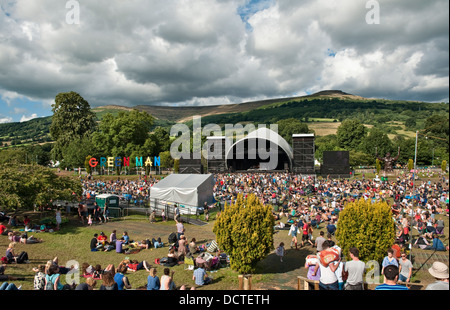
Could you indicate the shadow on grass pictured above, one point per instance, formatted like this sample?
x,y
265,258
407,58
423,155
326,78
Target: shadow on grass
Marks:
x,y
293,260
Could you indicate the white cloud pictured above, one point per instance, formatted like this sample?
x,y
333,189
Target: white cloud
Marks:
x,y
4,120
202,51
25,118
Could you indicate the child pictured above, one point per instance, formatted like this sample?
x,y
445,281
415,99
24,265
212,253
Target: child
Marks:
x,y
280,251
39,278
90,220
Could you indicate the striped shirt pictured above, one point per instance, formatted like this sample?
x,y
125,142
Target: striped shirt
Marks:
x,y
384,287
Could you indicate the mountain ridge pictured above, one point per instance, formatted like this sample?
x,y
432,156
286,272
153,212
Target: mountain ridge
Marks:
x,y
185,113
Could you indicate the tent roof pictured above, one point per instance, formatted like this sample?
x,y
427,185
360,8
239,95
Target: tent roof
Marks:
x,y
106,196
182,181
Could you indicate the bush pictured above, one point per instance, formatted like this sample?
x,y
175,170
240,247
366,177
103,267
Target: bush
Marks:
x,y
368,226
244,230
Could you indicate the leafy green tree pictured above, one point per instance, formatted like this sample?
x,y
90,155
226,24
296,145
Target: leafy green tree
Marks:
x,y
290,126
411,123
244,230
13,156
368,226
350,134
407,146
376,139
124,134
72,120
325,143
23,186
166,159
444,166
360,159
75,153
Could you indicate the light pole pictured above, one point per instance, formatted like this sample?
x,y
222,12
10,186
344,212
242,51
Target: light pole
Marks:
x,y
413,196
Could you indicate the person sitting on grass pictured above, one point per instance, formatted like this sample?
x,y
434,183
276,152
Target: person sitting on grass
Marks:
x,y
135,265
94,243
121,279
200,276
153,283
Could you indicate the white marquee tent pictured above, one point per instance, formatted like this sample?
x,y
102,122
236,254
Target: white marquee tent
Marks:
x,y
191,190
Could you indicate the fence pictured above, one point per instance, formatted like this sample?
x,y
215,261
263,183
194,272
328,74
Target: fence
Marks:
x,y
146,205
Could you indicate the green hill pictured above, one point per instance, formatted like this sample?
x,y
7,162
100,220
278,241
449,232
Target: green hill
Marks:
x,y
323,111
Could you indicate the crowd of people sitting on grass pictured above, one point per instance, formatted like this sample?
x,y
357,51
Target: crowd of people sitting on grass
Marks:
x,y
306,202
111,277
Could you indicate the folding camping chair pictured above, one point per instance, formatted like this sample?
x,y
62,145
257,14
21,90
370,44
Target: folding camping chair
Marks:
x,y
189,263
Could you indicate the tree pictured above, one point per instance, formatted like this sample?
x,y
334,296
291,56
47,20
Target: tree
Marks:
x,y
290,126
350,134
325,143
376,139
75,153
166,159
72,120
122,134
244,230
444,166
368,226
23,186
360,159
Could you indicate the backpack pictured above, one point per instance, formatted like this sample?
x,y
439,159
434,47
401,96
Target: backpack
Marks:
x,y
173,238
49,286
4,260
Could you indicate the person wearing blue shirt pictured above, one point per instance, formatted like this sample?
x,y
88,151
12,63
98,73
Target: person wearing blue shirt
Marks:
x,y
331,228
438,245
126,238
121,279
391,277
153,283
200,276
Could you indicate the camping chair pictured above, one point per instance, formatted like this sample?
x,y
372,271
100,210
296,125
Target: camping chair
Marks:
x,y
189,262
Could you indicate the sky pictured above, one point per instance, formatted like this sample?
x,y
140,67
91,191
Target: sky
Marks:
x,y
209,52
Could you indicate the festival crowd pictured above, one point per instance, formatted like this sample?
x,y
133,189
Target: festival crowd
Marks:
x,y
301,199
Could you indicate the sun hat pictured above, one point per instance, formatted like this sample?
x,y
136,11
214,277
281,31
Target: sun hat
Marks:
x,y
439,270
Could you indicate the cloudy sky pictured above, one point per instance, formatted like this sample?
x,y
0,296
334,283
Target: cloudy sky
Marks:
x,y
203,52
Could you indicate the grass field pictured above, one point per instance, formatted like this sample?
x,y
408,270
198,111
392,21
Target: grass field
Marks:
x,y
71,243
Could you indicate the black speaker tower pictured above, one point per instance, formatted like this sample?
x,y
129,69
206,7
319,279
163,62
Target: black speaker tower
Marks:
x,y
303,147
336,164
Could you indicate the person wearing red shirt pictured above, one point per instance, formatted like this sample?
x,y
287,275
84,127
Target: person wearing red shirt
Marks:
x,y
3,230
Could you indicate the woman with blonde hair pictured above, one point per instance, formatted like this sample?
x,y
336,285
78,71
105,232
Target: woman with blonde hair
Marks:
x,y
13,258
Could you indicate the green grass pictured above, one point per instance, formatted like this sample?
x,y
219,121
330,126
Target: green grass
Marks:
x,y
72,243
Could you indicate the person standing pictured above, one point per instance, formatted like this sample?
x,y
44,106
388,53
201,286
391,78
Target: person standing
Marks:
x,y
293,233
354,271
390,280
180,229
328,279
280,251
405,269
58,218
319,241
389,260
440,272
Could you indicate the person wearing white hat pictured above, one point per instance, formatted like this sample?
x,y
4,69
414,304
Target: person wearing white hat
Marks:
x,y
440,272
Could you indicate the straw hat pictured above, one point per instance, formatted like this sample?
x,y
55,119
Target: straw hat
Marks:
x,y
439,270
